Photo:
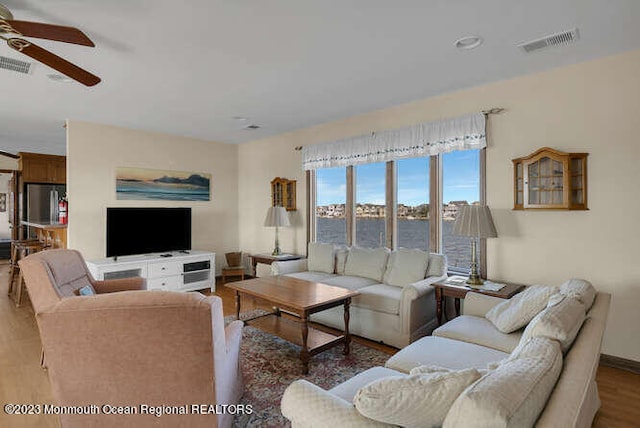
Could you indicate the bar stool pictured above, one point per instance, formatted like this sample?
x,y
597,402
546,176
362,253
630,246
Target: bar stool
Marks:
x,y
234,266
20,250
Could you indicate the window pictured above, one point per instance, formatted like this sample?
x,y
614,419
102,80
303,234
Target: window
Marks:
x,y
460,186
413,203
331,191
370,205
416,188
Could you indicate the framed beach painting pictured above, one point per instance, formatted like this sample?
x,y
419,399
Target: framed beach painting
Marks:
x,y
145,184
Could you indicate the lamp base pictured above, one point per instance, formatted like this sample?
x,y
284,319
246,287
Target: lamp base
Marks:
x,y
474,280
276,252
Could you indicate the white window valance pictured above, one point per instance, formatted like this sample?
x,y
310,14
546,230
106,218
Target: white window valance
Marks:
x,y
423,139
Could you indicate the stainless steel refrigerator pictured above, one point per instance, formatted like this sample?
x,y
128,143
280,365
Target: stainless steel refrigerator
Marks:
x,y
41,204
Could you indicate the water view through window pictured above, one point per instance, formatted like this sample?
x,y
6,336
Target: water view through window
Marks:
x,y
460,186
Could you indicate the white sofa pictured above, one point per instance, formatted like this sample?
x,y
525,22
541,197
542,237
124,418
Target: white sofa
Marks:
x,y
396,304
523,381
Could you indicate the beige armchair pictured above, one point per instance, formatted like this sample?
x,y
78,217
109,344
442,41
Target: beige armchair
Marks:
x,y
130,349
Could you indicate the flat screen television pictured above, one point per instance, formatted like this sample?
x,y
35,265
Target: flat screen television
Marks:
x,y
147,230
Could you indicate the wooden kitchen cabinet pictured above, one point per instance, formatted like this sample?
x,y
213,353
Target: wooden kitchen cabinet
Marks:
x,y
39,168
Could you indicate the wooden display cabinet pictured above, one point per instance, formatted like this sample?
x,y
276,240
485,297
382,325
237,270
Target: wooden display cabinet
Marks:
x,y
39,168
283,193
550,179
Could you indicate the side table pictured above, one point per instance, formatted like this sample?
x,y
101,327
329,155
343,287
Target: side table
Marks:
x,y
268,259
452,288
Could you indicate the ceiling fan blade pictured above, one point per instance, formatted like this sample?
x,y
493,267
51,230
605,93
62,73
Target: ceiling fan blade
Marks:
x,y
53,61
58,33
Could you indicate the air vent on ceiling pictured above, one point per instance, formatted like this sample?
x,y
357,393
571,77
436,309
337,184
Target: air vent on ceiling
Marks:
x,y
16,65
252,127
558,39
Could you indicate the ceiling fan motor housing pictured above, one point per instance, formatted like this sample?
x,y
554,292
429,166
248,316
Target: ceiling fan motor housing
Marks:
x,y
5,13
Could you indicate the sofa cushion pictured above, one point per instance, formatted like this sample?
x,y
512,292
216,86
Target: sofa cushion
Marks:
x,y
341,259
348,389
516,312
479,331
514,394
312,276
406,266
349,282
379,297
420,400
321,257
561,321
581,290
367,262
443,352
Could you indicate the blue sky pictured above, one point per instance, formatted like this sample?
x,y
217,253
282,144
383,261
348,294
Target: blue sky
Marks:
x,y
461,172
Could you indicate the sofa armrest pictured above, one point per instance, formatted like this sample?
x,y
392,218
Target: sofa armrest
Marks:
x,y
307,405
478,304
115,285
415,300
288,266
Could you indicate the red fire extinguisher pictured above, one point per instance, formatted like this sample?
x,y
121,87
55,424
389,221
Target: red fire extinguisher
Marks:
x,y
62,211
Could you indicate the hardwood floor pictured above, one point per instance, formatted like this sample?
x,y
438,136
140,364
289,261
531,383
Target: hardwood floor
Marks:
x,y
23,381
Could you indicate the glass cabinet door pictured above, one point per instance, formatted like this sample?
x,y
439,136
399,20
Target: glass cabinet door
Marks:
x,y
544,183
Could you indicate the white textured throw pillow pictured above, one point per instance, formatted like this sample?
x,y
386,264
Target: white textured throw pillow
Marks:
x,y
516,312
367,262
321,257
561,321
581,290
421,400
406,266
514,394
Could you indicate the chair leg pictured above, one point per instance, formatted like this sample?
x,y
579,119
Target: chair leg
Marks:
x,y
12,268
18,294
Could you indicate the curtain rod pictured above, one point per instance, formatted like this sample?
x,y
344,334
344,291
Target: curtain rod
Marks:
x,y
494,110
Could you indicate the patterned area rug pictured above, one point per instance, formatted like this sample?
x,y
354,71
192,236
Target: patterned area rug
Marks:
x,y
270,364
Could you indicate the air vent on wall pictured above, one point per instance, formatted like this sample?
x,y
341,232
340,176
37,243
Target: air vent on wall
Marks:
x,y
16,65
558,39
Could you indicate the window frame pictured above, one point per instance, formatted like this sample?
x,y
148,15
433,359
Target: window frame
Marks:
x,y
391,192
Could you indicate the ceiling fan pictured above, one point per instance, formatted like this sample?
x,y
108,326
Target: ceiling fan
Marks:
x,y
9,28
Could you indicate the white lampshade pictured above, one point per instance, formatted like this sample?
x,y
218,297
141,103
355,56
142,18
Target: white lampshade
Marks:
x,y
277,216
474,221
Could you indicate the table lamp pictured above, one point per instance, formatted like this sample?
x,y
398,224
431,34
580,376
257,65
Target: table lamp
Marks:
x,y
277,217
475,222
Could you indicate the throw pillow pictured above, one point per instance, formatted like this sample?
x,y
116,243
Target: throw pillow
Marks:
x,y
514,394
581,290
406,266
437,265
421,400
516,312
321,257
367,262
561,321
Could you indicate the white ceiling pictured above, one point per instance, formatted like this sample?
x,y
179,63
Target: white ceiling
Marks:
x,y
187,68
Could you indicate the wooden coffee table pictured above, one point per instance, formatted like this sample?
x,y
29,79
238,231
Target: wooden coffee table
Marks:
x,y
300,298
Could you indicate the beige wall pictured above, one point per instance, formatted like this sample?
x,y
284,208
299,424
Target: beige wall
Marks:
x,y
95,151
590,107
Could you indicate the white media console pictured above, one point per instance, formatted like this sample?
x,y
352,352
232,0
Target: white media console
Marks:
x,y
176,271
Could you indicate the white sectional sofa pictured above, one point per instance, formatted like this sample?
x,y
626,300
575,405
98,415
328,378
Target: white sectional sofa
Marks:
x,y
538,376
396,304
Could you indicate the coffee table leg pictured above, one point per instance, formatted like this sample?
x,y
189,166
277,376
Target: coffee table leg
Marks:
x,y
347,336
304,352
237,305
